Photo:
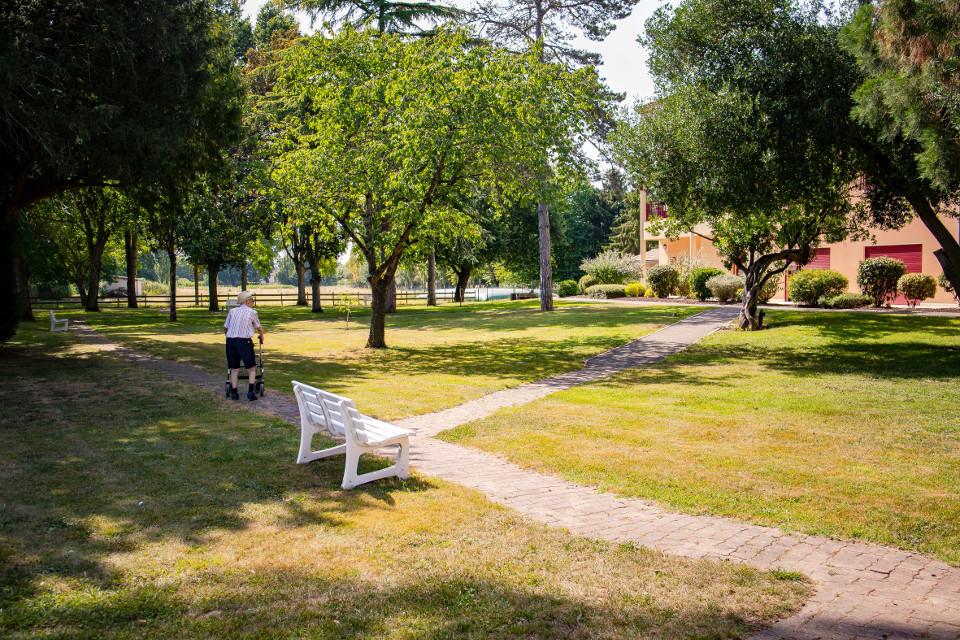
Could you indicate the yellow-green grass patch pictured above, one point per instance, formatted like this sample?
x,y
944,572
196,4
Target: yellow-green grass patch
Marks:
x,y
841,424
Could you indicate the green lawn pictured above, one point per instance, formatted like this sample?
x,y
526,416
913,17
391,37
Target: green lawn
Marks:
x,y
830,423
438,357
139,510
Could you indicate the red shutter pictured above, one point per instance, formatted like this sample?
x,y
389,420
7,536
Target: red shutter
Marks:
x,y
910,254
821,260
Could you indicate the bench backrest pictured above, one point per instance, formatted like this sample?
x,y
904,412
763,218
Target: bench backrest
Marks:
x,y
328,410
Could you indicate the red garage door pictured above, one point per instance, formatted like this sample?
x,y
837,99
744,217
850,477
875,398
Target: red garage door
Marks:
x,y
820,260
910,254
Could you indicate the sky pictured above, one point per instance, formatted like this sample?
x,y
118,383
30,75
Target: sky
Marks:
x,y
624,61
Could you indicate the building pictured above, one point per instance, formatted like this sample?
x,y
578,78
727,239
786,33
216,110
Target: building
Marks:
x,y
913,244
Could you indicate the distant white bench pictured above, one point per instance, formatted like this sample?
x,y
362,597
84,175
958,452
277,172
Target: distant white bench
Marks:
x,y
58,325
324,411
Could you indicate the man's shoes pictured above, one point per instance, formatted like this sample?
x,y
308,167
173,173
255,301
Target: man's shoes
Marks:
x,y
234,394
251,395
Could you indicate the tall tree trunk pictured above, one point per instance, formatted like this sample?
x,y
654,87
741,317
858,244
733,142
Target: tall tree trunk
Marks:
x,y
392,296
93,286
379,288
196,286
432,278
172,257
8,279
24,308
463,278
301,284
81,286
214,302
130,253
949,253
546,268
243,276
749,318
315,305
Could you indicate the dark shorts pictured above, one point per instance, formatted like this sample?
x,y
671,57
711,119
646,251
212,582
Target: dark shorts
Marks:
x,y
240,350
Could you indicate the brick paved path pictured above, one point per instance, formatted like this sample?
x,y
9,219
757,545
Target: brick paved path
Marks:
x,y
864,591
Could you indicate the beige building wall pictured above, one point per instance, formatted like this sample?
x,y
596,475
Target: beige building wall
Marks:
x,y
844,256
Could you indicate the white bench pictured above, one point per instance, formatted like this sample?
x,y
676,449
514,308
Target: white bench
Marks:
x,y
324,411
231,304
58,325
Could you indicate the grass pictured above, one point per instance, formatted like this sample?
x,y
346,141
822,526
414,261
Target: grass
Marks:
x,y
840,424
140,511
438,357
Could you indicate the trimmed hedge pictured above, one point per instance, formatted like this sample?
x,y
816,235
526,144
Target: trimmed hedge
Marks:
x,y
845,301
567,288
663,279
586,282
698,281
878,278
648,292
725,287
635,289
605,291
916,287
807,287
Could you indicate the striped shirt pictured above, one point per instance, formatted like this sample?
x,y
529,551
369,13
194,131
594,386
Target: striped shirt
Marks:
x,y
241,322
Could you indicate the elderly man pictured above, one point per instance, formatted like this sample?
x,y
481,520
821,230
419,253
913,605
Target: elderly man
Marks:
x,y
242,321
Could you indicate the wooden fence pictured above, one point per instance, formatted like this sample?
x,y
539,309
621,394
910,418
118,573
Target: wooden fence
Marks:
x,y
327,299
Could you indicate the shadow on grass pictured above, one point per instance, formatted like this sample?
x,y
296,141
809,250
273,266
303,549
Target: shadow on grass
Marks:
x,y
293,604
95,460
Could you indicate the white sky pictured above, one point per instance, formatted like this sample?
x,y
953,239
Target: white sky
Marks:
x,y
624,62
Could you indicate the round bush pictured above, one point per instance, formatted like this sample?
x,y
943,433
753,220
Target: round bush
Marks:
x,y
611,267
635,289
567,288
878,279
605,291
916,287
698,281
725,287
663,279
648,292
586,282
807,287
845,301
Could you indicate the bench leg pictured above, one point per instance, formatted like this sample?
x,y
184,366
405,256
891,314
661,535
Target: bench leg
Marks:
x,y
400,469
306,455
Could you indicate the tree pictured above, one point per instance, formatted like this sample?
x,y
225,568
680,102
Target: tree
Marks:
x,y
548,27
750,135
398,129
585,223
909,108
388,16
69,114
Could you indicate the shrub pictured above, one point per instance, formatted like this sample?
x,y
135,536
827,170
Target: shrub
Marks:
x,y
946,286
611,267
845,301
725,287
567,288
684,266
648,293
635,289
916,287
807,287
604,291
878,279
663,279
586,282
768,290
698,281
